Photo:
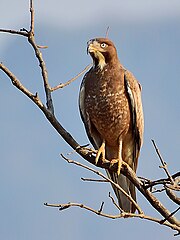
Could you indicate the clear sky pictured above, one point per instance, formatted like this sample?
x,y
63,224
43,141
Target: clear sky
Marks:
x,y
147,37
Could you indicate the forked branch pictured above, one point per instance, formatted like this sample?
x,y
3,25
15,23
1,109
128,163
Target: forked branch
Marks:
x,y
122,214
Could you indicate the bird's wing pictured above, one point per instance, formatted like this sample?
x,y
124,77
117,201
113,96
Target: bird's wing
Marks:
x,y
91,130
133,90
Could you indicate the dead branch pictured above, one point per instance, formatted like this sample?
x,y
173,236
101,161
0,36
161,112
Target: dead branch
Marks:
x,y
151,183
32,16
107,179
30,35
21,32
172,195
101,207
174,212
63,206
115,203
93,180
143,185
128,172
42,64
62,85
164,165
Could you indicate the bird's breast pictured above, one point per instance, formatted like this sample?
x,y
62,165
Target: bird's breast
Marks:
x,y
107,106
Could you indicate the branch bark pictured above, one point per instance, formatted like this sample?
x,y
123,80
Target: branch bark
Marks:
x,y
63,206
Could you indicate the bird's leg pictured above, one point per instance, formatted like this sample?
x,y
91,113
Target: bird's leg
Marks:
x,y
100,151
119,157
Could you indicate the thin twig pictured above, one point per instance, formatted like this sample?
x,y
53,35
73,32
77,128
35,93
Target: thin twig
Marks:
x,y
52,119
62,85
121,215
133,178
32,17
106,178
172,195
18,84
164,165
42,64
158,190
130,174
101,208
114,202
22,33
150,183
85,148
93,180
42,47
170,215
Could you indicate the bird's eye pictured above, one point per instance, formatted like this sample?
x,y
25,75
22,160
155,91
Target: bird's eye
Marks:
x,y
103,45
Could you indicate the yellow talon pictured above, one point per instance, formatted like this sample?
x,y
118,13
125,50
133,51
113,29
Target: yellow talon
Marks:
x,y
119,161
119,166
101,150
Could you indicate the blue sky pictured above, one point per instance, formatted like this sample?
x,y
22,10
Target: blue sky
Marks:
x,y
147,37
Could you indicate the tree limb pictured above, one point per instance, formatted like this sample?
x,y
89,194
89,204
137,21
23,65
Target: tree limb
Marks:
x,y
107,179
63,206
164,165
62,85
21,32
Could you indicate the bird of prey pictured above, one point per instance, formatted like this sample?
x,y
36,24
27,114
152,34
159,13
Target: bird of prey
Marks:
x,y
111,109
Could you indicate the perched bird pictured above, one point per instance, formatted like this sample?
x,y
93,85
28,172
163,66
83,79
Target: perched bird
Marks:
x,y
111,109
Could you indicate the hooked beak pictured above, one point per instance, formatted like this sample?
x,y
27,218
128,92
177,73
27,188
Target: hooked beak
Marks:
x,y
89,46
93,46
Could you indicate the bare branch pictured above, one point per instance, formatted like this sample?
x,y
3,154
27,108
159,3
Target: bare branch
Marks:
x,y
61,85
174,212
172,195
32,17
93,180
44,73
101,207
51,118
158,190
38,54
114,202
128,172
150,183
18,84
22,33
42,47
164,165
42,64
121,215
107,179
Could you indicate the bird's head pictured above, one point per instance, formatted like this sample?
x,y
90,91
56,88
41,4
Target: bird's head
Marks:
x,y
102,51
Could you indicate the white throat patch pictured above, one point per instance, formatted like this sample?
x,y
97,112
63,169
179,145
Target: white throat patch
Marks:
x,y
101,59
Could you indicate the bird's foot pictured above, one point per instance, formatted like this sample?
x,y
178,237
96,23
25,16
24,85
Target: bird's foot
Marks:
x,y
119,161
101,151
